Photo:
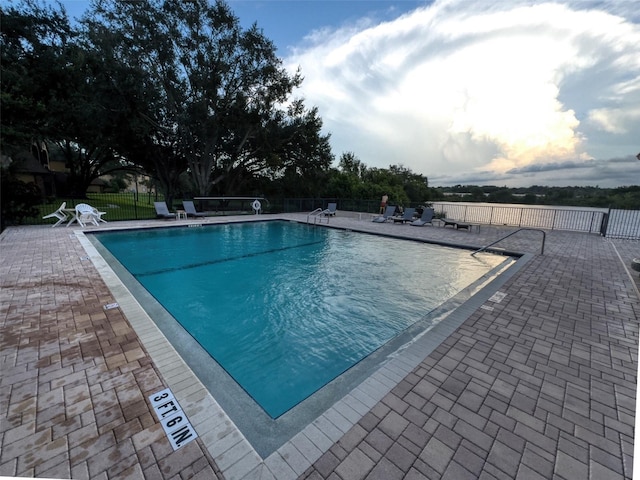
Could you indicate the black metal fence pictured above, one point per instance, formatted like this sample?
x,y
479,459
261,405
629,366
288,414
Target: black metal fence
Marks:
x,y
291,205
132,206
118,206
611,223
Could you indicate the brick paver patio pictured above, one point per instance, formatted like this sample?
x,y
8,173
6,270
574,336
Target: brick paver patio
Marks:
x,y
541,384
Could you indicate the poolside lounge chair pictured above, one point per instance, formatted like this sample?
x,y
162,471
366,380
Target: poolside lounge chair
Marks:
x,y
162,211
84,214
406,217
458,224
388,212
191,209
449,221
426,217
59,214
330,210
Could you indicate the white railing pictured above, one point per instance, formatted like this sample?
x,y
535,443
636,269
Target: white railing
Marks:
x,y
581,220
623,224
610,223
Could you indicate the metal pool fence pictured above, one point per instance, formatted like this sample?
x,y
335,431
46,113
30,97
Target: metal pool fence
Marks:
x,y
590,221
608,222
623,224
131,206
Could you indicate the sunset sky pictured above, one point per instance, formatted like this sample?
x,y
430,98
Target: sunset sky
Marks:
x,y
509,92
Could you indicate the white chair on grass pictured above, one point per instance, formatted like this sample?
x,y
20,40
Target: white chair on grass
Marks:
x,y
59,214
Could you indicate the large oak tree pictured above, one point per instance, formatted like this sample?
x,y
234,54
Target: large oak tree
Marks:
x,y
212,99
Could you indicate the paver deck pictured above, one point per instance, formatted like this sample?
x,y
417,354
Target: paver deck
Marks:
x,y
540,383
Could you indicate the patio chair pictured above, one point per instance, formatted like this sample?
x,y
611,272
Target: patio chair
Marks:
x,y
162,211
426,217
99,215
85,213
190,208
330,211
459,224
449,221
407,216
388,212
59,214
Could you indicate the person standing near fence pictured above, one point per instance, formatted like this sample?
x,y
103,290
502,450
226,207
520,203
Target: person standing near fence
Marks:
x,y
383,203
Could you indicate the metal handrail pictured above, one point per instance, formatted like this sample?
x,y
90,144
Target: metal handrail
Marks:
x,y
544,238
316,213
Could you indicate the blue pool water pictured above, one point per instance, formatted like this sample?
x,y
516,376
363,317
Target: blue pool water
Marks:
x,y
285,308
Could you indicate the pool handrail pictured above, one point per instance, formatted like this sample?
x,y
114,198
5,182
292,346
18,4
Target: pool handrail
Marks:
x,y
544,237
317,213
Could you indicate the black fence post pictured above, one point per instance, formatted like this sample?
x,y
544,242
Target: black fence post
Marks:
x,y
605,223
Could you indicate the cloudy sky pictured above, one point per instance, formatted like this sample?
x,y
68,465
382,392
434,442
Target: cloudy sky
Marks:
x,y
475,92
502,92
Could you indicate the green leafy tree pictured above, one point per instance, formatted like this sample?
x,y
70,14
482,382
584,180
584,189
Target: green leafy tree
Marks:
x,y
300,154
31,38
209,96
53,91
346,180
415,186
349,164
502,195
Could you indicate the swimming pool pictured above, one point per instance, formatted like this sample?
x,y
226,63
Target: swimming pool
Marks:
x,y
286,308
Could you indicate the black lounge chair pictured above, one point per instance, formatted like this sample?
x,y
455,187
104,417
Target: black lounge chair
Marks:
x,y
162,211
406,217
426,217
330,211
388,213
190,208
449,221
458,224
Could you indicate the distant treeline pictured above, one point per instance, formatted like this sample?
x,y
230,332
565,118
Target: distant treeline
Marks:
x,y
621,197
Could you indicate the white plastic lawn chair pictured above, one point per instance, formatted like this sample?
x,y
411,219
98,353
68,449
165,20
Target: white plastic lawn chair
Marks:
x,y
86,213
59,214
99,214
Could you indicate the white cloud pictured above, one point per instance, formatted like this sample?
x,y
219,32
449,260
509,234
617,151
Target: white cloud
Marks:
x,y
465,89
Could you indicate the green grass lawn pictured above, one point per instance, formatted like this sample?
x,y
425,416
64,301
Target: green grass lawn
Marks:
x,y
119,206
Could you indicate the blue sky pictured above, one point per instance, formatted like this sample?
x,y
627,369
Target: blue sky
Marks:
x,y
502,92
288,22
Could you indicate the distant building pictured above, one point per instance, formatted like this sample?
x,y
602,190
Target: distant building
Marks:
x,y
456,194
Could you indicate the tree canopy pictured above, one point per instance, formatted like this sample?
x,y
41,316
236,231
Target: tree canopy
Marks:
x,y
170,87
353,179
177,90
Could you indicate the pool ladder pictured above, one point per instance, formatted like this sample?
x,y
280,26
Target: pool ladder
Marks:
x,y
544,237
317,214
